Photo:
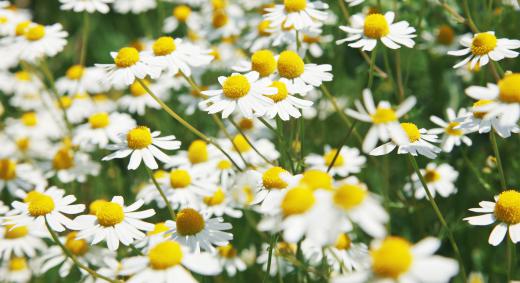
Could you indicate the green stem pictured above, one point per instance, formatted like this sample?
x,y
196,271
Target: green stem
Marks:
x,y
494,144
274,238
222,127
84,41
509,255
161,192
371,70
249,142
343,142
475,171
469,20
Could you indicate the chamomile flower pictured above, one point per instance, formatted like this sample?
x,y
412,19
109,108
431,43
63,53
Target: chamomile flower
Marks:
x,y
101,129
245,92
196,230
141,144
452,134
298,13
16,269
89,6
314,41
229,259
80,79
440,179
69,165
262,61
24,82
349,161
385,120
114,222
15,176
477,121
50,205
394,259
182,14
286,105
134,6
419,143
138,99
505,211
239,146
34,124
483,47
42,41
367,30
220,204
21,240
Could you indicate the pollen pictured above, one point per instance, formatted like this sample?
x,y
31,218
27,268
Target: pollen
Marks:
x,y
343,242
445,35
35,33
220,19
165,255
290,64
507,208
431,176
510,88
17,264
264,28
236,86
483,43
181,13
21,28
482,102
75,72
139,137
189,222
136,89
63,159
126,57
317,179
217,198
451,129
7,169
263,62
282,93
295,5
376,26
227,251
77,247
348,196
411,131
271,178
23,76
110,214
40,205
241,144
179,179
384,115
298,200
393,258
163,46
15,233
96,206
329,157
29,119
158,228
99,120
198,152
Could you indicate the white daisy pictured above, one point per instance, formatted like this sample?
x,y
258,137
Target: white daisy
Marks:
x,y
15,176
477,121
182,14
69,165
440,179
240,146
17,270
40,41
286,104
138,99
298,13
230,260
349,161
80,79
21,240
452,134
89,6
219,204
101,129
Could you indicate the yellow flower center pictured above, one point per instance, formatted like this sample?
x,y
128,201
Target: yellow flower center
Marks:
x,y
165,255
393,258
216,199
31,195
263,28
21,28
163,46
158,229
507,208
263,62
66,101
246,124
189,222
17,264
220,19
227,251
139,137
126,57
411,131
343,242
15,233
136,89
298,200
179,179
383,115
23,76
96,206
295,5
431,175
7,169
198,152
40,205
445,35
450,129
181,13
241,144
271,178
329,156
35,33
290,64
510,88
110,214
23,143
99,120
483,43
77,247
63,159
282,91
219,4
317,179
236,86
482,102
376,26
29,119
348,196
75,72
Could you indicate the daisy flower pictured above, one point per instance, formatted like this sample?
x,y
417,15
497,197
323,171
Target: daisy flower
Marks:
x,y
134,6
298,13
128,65
220,204
419,142
477,121
240,146
286,105
89,6
452,134
16,269
40,41
141,144
349,161
440,179
69,165
394,259
483,47
139,100
21,240
24,82
505,210
230,260
15,176
245,92
38,125
367,30
50,205
262,61
80,79
197,230
101,129
385,120
314,42
114,222
181,14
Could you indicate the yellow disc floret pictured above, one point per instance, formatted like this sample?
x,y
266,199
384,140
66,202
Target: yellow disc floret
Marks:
x,y
220,19
179,178
317,179
263,28
189,222
96,206
376,26
483,43
198,152
165,255
63,159
343,242
158,228
137,89
507,208
282,91
263,62
21,28
29,119
35,33
297,200
23,144
77,247
7,169
236,86
510,88
227,251
384,115
348,196
271,178
164,45
431,175
23,76
411,131
75,72
99,120
241,144
217,198
110,214
15,233
295,5
126,57
17,264
451,129
139,137
479,103
445,35
290,64
181,13
40,205
393,258
329,157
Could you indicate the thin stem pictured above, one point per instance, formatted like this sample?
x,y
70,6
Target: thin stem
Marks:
x,y
399,75
475,171
493,139
84,41
343,142
509,256
274,238
371,70
442,220
269,126
249,142
469,20
221,126
161,192
73,257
